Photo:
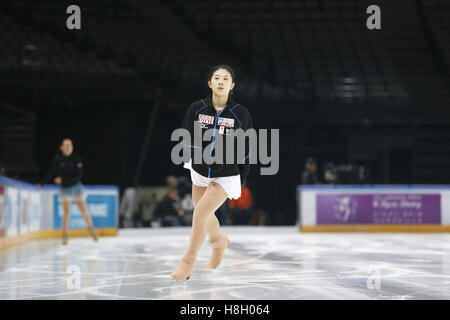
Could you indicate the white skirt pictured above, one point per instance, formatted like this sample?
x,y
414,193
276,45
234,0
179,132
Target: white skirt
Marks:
x,y
231,184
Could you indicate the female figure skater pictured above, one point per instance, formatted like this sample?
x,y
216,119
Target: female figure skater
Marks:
x,y
68,168
212,184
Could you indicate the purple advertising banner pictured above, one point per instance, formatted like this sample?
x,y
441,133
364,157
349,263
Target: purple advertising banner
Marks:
x,y
389,208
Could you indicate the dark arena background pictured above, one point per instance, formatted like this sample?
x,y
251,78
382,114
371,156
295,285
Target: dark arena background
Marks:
x,y
359,91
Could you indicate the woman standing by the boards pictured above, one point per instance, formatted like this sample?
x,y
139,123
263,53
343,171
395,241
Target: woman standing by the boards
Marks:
x,y
67,168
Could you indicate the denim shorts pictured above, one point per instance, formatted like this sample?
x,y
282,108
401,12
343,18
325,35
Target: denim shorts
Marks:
x,y
75,192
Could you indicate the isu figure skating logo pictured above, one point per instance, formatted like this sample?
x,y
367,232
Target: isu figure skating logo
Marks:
x,y
345,208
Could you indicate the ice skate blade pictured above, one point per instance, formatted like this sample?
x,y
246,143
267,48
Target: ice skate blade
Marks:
x,y
176,282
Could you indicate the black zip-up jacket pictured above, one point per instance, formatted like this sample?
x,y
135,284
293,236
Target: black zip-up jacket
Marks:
x,y
70,169
232,117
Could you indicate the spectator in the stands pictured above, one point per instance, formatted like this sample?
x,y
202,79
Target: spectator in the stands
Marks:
x,y
168,210
182,183
241,209
309,176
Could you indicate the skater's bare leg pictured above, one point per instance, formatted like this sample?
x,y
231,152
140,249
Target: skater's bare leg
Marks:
x,y
81,204
65,223
211,200
212,226
218,240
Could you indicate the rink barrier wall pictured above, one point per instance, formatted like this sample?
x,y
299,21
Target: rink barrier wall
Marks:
x,y
10,241
373,208
27,212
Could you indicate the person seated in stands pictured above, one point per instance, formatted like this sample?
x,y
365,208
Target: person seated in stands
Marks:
x,y
241,209
182,183
309,176
168,210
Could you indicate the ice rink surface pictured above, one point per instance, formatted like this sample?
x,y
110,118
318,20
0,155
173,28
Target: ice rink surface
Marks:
x,y
262,263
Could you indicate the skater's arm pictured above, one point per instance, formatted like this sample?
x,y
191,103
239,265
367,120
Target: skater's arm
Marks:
x,y
244,168
188,124
51,172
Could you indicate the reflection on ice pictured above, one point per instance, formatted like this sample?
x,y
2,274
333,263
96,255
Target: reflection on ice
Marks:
x,y
261,263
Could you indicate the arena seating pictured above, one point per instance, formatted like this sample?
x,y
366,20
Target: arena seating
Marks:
x,y
308,44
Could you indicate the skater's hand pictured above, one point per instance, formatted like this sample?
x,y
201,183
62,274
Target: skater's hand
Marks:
x,y
57,180
180,213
